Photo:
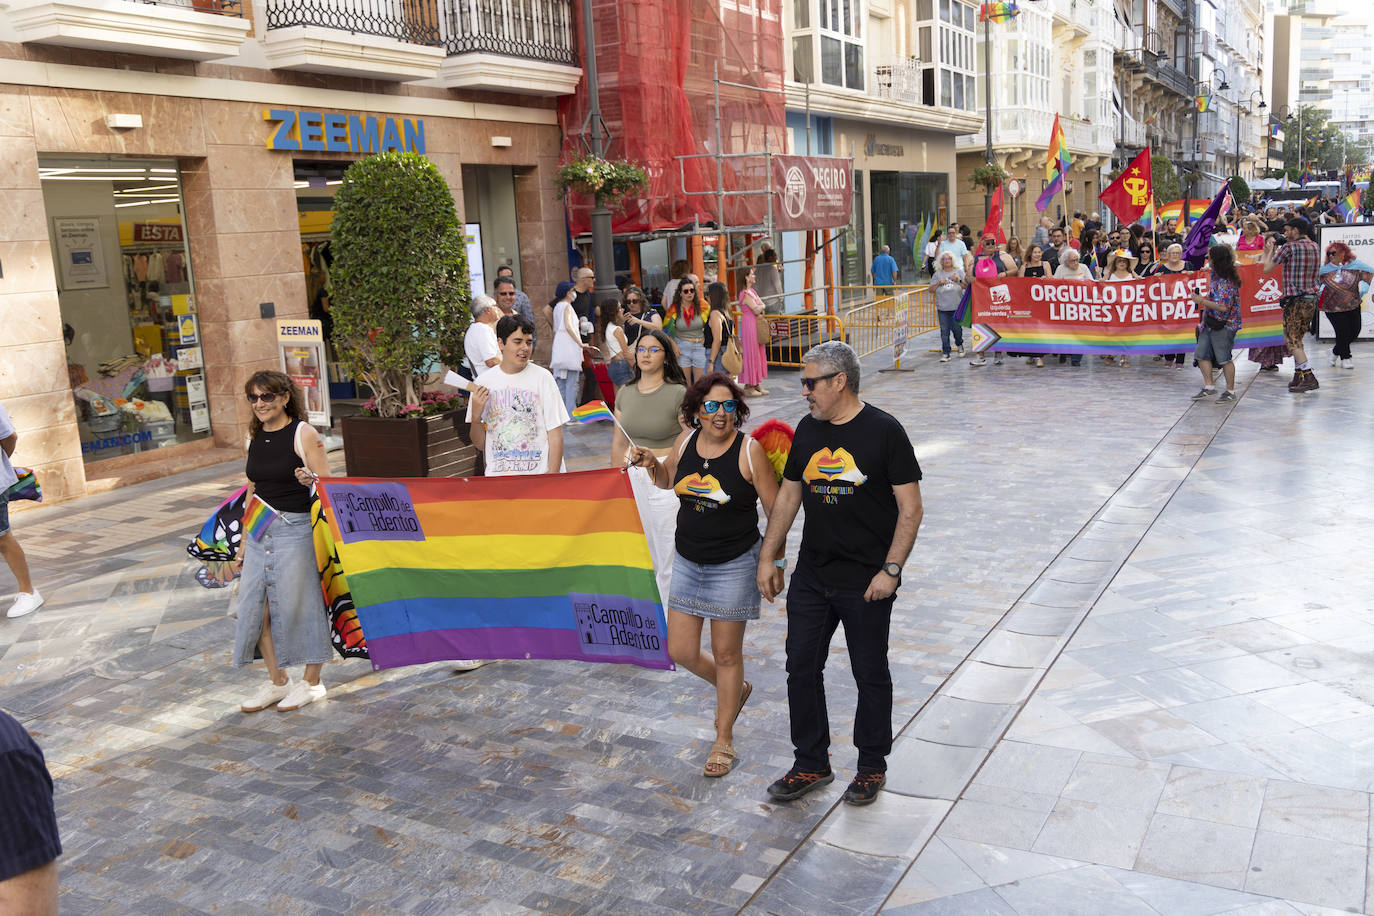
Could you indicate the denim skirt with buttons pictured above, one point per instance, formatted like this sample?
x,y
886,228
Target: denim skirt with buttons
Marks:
x,y
280,576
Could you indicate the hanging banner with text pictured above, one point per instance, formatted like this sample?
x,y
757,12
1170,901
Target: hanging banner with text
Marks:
x,y
811,192
1150,315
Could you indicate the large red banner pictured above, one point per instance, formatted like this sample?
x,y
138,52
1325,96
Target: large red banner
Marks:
x,y
1149,315
812,192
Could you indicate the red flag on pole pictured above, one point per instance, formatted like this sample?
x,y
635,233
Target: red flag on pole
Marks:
x,y
993,227
1130,194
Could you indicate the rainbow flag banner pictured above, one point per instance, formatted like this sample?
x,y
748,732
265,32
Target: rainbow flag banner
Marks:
x,y
1204,102
551,566
1149,315
258,516
1349,205
592,411
998,11
1196,207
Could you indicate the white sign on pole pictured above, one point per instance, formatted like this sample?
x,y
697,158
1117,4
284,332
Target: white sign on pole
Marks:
x,y
477,278
1360,238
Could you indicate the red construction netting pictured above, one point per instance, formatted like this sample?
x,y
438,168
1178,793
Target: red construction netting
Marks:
x,y
655,62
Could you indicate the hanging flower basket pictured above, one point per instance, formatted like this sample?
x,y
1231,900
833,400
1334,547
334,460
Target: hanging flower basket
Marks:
x,y
989,176
613,180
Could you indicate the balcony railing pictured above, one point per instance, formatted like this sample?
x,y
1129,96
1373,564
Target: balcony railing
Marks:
x,y
899,80
534,29
404,20
223,7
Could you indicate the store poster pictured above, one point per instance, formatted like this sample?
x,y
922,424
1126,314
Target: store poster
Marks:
x,y
186,330
301,345
477,278
80,258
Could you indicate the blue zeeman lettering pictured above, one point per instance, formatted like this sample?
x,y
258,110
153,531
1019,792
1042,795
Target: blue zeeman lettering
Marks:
x,y
282,138
362,134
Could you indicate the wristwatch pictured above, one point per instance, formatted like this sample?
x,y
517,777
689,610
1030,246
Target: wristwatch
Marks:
x,y
781,564
893,569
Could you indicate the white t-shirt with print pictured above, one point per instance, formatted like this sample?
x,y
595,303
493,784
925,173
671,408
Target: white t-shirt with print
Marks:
x,y
7,475
480,345
521,410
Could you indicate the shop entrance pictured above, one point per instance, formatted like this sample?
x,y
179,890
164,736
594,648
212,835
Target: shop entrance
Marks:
x,y
490,218
128,309
316,183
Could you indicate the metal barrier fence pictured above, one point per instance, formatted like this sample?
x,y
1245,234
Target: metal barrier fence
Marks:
x,y
871,319
793,335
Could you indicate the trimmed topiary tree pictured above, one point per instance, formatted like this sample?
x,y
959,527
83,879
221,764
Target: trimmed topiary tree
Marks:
x,y
399,283
1240,189
1165,179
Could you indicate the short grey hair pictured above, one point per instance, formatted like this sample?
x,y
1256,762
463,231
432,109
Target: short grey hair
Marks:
x,y
480,304
836,356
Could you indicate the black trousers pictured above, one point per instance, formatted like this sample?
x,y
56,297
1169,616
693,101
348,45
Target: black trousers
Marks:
x,y
814,610
1347,327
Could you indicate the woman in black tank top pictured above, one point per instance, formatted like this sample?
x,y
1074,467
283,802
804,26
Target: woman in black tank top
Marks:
x,y
280,606
720,475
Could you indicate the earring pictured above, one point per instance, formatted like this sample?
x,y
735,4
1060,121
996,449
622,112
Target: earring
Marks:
x,y
696,422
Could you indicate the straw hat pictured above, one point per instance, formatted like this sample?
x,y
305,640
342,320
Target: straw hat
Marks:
x,y
1121,253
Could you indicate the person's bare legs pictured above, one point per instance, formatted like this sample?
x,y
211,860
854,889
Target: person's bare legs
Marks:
x,y
684,646
727,652
18,563
1228,372
1205,366
269,651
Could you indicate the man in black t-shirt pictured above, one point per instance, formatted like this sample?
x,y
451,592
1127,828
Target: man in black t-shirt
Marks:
x,y
29,845
852,468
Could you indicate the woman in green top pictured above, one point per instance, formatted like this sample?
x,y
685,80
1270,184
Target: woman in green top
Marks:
x,y
648,406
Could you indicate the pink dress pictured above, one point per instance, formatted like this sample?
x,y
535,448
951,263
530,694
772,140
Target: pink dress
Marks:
x,y
755,368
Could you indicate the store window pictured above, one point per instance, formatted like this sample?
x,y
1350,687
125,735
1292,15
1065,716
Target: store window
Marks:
x,y
127,303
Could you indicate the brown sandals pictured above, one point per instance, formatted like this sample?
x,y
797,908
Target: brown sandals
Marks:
x,y
720,761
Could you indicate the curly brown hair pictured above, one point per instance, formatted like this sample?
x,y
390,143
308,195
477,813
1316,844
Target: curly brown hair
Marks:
x,y
280,384
697,391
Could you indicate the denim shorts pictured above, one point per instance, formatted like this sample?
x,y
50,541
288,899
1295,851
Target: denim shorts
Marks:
x,y
1215,346
717,591
693,354
280,574
619,372
4,512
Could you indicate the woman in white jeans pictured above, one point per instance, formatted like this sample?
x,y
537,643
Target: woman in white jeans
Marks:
x,y
566,362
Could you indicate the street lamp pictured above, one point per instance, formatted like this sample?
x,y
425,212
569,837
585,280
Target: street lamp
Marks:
x,y
1262,106
1194,161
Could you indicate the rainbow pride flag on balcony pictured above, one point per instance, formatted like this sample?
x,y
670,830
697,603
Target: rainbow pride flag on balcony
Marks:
x,y
1204,102
548,566
998,11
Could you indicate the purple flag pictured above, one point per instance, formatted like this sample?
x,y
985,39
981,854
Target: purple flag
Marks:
x,y
1200,236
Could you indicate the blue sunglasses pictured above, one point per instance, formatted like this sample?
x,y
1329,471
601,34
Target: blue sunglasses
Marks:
x,y
713,406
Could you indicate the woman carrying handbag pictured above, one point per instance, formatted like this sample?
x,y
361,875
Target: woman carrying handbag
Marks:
x,y
755,334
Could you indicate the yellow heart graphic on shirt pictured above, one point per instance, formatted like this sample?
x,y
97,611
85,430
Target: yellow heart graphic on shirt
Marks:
x,y
826,465
702,487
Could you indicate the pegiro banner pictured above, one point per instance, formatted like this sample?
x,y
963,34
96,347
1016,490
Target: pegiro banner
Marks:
x,y
1149,315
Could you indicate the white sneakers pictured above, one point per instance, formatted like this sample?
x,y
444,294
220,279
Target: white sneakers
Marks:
x,y
25,604
1345,364
469,664
1331,357
286,697
267,695
301,694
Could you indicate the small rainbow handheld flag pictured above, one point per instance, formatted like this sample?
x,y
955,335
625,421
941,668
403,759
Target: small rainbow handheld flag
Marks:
x,y
258,516
592,411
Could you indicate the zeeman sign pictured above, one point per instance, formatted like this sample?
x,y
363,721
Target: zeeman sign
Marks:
x,y
332,132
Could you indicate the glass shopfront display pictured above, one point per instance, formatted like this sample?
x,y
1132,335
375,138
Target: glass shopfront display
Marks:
x,y
128,308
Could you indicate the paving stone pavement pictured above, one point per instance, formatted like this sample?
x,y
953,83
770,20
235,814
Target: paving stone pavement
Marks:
x,y
1184,729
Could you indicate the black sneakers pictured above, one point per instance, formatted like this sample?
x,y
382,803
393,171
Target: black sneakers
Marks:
x,y
798,782
864,789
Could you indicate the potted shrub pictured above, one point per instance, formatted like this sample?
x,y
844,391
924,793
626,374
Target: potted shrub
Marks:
x,y
989,176
399,297
609,180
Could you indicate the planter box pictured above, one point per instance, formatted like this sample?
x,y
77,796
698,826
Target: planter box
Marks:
x,y
436,446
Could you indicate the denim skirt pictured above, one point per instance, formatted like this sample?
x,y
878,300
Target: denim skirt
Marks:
x,y
280,577
717,591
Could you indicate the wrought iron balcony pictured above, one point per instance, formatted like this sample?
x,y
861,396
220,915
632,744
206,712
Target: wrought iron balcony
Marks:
x,y
531,29
414,23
